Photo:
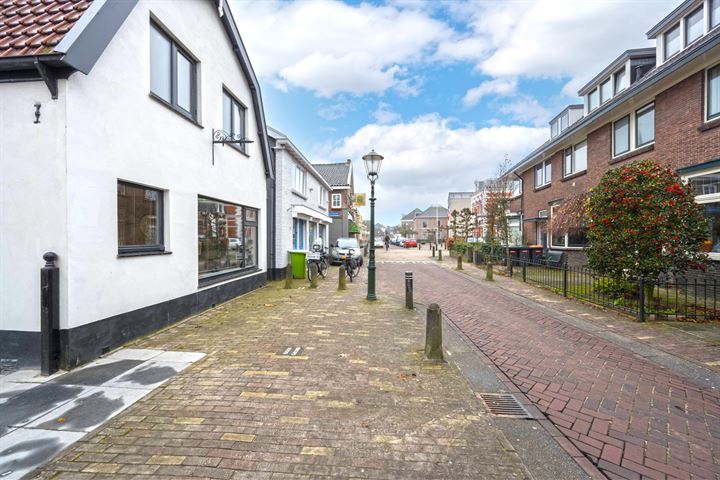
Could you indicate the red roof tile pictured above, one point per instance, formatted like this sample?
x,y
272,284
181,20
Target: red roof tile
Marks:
x,y
35,27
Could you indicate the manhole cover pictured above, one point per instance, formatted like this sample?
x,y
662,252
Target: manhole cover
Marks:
x,y
503,405
291,351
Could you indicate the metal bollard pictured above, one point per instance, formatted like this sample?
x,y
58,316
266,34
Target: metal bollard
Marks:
x,y
49,315
440,254
459,261
433,334
409,290
313,275
433,250
342,281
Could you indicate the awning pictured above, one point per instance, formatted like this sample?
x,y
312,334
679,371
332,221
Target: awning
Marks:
x,y
536,219
301,211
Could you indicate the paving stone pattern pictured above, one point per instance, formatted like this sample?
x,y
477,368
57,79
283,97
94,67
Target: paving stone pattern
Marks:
x,y
358,402
631,417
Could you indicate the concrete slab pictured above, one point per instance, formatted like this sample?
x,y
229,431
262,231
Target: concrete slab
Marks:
x,y
23,450
35,402
89,410
97,374
29,376
10,389
188,357
147,376
134,354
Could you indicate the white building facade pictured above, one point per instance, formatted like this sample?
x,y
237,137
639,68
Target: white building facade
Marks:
x,y
301,207
119,176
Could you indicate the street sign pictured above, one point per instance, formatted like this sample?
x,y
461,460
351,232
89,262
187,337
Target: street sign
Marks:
x,y
360,199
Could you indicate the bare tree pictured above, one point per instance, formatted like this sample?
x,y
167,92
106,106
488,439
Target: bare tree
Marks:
x,y
465,219
498,192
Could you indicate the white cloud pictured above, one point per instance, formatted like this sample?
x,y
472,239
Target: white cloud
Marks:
x,y
560,38
498,86
427,157
527,109
329,47
337,109
384,114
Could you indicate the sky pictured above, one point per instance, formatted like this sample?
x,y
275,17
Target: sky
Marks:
x,y
444,90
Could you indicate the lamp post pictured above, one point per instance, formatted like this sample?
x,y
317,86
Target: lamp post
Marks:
x,y
372,167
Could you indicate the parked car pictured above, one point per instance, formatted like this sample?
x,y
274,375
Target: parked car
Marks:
x,y
410,244
379,243
233,243
341,247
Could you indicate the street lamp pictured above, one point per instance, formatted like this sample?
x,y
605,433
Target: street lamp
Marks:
x,y
372,167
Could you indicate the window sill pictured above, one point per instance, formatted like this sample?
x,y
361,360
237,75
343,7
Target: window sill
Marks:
x,y
567,248
537,189
140,253
573,175
709,125
304,197
170,107
632,153
213,278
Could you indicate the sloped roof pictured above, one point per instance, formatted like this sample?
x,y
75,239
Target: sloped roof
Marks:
x,y
411,215
434,211
336,174
36,27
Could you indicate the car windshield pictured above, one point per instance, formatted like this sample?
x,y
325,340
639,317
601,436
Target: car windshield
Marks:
x,y
347,243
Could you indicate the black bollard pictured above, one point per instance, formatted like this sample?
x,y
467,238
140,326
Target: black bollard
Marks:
x,y
409,290
49,315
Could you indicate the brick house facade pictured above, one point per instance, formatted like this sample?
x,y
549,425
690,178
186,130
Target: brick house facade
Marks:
x,y
685,132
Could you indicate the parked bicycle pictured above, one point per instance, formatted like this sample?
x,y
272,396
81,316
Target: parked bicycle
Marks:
x,y
319,257
351,264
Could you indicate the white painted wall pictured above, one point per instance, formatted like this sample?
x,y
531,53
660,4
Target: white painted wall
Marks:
x,y
115,130
33,198
286,198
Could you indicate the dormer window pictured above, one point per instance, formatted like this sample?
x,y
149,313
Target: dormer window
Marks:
x,y
671,42
694,26
553,129
714,13
564,121
592,100
620,79
605,91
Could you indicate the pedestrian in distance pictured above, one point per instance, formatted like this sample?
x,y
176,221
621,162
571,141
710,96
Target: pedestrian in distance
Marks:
x,y
387,243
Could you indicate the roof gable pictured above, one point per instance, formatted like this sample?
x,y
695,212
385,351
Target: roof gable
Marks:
x,y
434,211
336,174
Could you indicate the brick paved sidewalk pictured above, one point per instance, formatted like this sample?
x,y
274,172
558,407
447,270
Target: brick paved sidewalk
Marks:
x,y
697,343
356,402
627,414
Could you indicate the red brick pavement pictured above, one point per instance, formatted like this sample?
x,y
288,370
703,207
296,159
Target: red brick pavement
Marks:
x,y
631,417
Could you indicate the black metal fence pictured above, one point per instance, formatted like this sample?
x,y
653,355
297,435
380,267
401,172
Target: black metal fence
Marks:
x,y
672,297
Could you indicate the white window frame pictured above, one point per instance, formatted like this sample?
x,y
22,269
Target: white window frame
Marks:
x,y
573,166
322,196
632,131
615,82
703,23
703,199
299,180
338,197
679,26
611,85
543,168
590,108
707,97
709,15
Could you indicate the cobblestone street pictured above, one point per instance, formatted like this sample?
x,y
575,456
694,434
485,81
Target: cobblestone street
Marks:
x,y
609,395
356,401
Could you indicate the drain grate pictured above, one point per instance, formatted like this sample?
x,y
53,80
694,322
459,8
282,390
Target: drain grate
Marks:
x,y
291,351
503,405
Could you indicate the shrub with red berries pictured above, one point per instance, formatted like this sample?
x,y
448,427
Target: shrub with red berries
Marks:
x,y
643,220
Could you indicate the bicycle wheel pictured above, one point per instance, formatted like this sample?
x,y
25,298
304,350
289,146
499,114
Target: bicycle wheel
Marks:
x,y
322,267
307,270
